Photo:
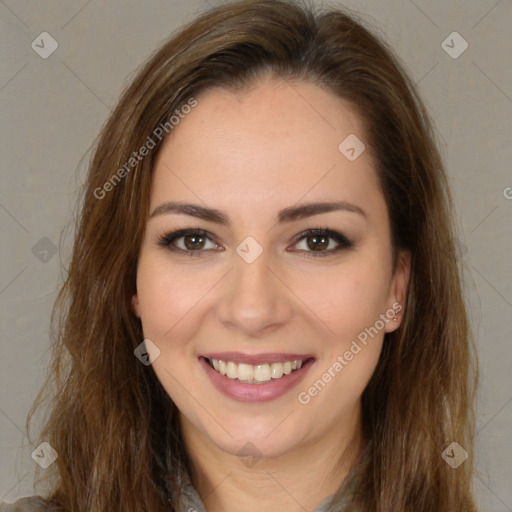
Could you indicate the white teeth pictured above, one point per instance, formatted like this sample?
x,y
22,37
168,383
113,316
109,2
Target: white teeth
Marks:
x,y
245,371
262,373
276,370
255,373
231,370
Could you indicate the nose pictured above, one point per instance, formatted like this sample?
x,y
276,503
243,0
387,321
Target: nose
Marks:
x,y
253,299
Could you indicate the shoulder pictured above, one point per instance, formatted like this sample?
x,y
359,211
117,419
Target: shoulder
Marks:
x,y
30,504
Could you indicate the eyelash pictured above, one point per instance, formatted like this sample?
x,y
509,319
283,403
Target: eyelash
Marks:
x,y
343,242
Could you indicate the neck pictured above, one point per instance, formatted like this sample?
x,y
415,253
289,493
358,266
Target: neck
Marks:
x,y
295,481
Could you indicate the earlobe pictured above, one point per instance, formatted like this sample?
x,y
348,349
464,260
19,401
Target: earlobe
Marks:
x,y
135,305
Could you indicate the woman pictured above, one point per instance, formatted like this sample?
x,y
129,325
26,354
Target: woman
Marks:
x,y
268,211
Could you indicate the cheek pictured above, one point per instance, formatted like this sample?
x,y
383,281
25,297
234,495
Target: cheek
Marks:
x,y
350,305
349,372
168,296
346,300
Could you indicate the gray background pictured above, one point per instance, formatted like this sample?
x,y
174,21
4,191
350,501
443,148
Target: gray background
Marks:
x,y
53,109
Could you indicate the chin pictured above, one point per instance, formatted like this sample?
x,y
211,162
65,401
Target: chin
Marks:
x,y
255,447
248,438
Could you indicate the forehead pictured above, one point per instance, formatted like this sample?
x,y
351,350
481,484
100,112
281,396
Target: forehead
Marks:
x,y
279,141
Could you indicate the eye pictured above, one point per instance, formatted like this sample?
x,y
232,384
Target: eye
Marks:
x,y
316,242
191,242
321,242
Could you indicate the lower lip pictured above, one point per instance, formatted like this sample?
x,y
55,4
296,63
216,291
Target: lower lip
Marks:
x,y
243,392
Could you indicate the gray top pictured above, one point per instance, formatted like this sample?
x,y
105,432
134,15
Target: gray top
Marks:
x,y
191,501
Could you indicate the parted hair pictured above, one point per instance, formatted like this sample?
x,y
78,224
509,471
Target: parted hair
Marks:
x,y
114,427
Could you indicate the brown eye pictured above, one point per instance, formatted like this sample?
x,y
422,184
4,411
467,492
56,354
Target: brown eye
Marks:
x,y
193,242
321,242
317,242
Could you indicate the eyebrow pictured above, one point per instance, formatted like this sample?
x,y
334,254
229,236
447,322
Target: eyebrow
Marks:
x,y
289,214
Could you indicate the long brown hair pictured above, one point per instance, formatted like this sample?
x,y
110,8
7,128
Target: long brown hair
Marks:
x,y
112,424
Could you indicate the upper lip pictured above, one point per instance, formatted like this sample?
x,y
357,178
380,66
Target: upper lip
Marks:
x,y
254,359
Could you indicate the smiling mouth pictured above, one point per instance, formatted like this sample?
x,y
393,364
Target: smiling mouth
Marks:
x,y
255,374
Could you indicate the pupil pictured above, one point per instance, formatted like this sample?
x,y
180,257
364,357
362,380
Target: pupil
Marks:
x,y
199,241
318,245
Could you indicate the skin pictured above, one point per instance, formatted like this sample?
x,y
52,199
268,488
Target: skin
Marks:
x,y
251,155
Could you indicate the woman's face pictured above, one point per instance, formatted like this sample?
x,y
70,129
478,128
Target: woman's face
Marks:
x,y
253,290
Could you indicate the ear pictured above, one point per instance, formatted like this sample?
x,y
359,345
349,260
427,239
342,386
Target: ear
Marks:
x,y
135,305
398,290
